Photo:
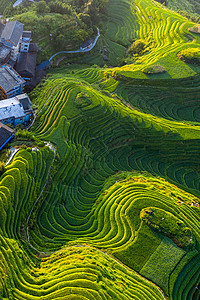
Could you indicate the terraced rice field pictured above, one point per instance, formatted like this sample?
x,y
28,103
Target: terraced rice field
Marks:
x,y
92,203
111,210
95,199
23,178
165,30
75,273
180,102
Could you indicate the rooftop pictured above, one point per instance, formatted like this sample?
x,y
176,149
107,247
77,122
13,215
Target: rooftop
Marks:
x,y
25,101
12,32
5,133
26,34
33,47
1,28
10,108
4,52
26,64
9,78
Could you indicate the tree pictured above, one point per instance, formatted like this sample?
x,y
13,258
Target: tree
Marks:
x,y
42,7
80,35
137,47
85,18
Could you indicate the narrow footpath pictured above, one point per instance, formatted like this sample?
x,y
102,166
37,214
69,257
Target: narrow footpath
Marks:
x,y
47,63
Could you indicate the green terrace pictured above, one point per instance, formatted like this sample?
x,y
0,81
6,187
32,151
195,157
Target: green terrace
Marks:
x,y
109,207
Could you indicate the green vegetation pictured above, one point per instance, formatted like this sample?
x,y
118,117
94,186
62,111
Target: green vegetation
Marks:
x,y
82,100
73,273
154,70
58,25
4,155
2,168
169,225
166,255
191,55
73,217
6,6
54,31
21,182
188,8
102,199
166,33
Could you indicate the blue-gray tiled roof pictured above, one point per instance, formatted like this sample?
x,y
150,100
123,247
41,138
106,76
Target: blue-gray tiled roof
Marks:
x,y
11,108
9,78
12,32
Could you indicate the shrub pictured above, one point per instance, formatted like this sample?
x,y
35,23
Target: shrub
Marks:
x,y
169,225
4,155
154,70
190,55
42,7
82,100
137,47
24,134
22,146
10,125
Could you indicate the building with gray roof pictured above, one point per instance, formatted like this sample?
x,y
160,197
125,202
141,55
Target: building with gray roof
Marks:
x,y
4,54
26,64
11,83
1,27
16,110
12,33
26,103
25,41
6,134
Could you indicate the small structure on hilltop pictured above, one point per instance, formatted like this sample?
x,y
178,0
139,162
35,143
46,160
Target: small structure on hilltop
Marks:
x,y
6,134
16,110
87,44
11,83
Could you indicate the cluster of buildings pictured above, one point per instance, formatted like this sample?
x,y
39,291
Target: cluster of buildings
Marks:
x,y
17,49
17,69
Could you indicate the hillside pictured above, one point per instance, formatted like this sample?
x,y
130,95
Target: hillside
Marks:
x,y
101,201
190,7
165,34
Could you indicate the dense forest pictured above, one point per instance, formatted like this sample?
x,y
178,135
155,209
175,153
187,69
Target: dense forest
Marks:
x,y
61,24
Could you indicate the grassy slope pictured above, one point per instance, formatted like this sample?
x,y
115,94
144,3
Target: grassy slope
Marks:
x,y
77,273
95,197
74,206
168,32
